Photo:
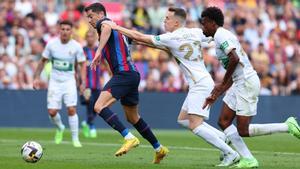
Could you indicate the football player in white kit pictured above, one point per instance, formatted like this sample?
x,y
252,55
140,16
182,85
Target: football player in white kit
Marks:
x,y
64,53
185,45
242,85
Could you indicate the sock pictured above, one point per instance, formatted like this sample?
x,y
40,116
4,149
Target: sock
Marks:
x,y
73,122
112,119
265,129
143,128
56,120
211,137
184,123
237,141
219,133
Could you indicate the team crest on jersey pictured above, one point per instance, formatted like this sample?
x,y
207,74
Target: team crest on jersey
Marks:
x,y
224,45
157,38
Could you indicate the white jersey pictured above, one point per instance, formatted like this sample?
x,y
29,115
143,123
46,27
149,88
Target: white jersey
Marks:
x,y
63,58
185,46
225,42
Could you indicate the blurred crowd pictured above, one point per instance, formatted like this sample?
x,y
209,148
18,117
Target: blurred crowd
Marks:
x,y
267,29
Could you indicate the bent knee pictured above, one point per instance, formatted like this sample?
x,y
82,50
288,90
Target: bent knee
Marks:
x,y
223,123
243,132
98,108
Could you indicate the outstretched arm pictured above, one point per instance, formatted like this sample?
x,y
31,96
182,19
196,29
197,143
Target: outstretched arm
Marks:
x,y
152,46
133,34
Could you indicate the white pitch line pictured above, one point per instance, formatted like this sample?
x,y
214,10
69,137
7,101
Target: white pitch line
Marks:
x,y
10,141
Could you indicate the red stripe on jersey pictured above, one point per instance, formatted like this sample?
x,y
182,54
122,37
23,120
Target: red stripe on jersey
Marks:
x,y
108,57
94,79
124,54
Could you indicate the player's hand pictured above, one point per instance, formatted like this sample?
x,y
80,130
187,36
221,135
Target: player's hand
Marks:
x,y
208,102
112,24
96,60
81,89
217,91
36,84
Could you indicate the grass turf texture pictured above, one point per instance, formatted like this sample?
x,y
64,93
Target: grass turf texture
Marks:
x,y
186,151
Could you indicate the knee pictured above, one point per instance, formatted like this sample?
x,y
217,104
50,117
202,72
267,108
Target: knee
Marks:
x,y
52,113
71,111
224,123
132,119
98,108
243,131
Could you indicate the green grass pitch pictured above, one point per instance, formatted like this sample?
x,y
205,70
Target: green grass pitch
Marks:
x,y
280,151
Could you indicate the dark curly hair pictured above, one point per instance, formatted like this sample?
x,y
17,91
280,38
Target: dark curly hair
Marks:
x,y
215,14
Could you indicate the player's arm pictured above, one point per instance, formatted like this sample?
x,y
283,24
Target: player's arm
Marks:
x,y
152,46
37,73
82,73
232,64
132,34
105,34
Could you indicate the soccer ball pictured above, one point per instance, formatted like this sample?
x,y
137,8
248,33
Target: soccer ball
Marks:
x,y
32,152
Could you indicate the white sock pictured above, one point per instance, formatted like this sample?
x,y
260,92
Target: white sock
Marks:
x,y
56,120
73,122
265,129
237,141
184,123
211,137
220,134
129,136
158,148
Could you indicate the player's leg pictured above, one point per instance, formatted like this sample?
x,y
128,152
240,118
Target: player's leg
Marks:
x,y
144,129
193,112
112,91
74,125
225,122
231,132
85,99
183,120
102,108
93,114
55,118
198,128
89,126
70,100
289,126
54,103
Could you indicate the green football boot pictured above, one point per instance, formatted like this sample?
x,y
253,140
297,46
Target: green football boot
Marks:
x,y
85,129
247,163
59,135
293,126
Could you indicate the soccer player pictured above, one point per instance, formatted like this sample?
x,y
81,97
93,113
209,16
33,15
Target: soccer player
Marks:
x,y
185,45
92,91
242,85
123,85
63,52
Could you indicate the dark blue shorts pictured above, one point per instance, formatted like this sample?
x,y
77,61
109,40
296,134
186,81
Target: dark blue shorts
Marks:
x,y
124,86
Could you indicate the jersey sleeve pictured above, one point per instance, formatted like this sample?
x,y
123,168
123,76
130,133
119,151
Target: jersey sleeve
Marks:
x,y
225,43
47,52
202,37
161,40
80,57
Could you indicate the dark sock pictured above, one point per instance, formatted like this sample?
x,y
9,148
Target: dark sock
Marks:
x,y
143,128
113,120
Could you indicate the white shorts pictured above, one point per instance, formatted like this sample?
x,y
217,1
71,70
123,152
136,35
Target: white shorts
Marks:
x,y
196,97
61,91
243,97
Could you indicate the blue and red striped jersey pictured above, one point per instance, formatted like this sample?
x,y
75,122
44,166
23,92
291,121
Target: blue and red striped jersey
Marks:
x,y
92,76
116,51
